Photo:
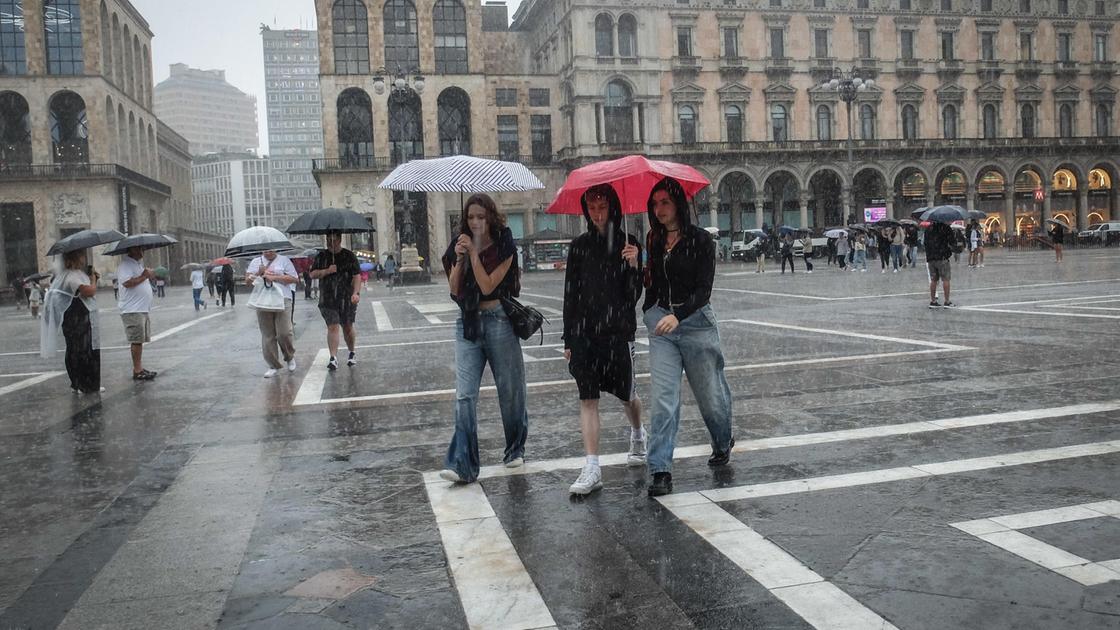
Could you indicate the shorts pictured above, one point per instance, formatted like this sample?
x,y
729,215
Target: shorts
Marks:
x,y
939,270
341,315
137,327
603,366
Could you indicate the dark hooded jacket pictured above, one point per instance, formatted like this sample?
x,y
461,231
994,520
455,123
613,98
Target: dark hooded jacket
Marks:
x,y
601,289
681,281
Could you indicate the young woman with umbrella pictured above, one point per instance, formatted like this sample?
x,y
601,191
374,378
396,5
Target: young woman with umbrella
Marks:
x,y
682,332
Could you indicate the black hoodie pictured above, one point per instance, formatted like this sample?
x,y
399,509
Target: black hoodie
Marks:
x,y
681,282
601,289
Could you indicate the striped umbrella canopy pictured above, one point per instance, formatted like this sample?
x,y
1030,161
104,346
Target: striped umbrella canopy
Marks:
x,y
461,174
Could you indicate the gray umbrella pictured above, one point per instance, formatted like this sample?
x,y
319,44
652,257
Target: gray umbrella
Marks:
x,y
143,241
979,215
330,220
945,214
84,240
35,277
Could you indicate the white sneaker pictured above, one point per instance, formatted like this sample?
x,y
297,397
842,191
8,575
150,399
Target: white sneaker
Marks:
x,y
637,454
590,480
516,462
292,365
450,475
270,373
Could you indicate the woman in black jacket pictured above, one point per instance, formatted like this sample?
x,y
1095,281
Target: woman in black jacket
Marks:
x,y
683,337
602,285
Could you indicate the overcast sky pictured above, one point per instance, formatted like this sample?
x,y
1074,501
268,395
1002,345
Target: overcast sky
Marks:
x,y
225,35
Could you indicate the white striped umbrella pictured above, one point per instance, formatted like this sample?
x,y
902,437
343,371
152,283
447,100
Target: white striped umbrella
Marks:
x,y
461,174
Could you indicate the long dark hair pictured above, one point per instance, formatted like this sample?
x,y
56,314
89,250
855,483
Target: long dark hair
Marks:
x,y
495,220
676,192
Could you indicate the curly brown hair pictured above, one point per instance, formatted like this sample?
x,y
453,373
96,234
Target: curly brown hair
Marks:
x,y
495,220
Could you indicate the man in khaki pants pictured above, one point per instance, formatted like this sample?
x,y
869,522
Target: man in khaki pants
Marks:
x,y
276,326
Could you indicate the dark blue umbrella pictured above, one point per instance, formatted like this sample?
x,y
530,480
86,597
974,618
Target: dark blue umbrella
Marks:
x,y
786,229
143,241
84,240
945,214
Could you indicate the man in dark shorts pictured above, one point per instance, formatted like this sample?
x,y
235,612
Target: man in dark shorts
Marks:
x,y
603,283
939,248
340,288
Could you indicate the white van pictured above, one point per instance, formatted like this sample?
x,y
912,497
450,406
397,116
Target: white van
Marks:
x,y
1102,233
744,244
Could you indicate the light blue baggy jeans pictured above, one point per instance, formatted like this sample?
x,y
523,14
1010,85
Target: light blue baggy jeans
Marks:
x,y
499,346
694,349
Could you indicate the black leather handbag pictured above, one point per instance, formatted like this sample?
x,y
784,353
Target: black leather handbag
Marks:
x,y
526,320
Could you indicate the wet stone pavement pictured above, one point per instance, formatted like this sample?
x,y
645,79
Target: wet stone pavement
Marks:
x,y
896,467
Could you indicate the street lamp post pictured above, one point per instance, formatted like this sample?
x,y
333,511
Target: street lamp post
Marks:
x,y
399,81
847,85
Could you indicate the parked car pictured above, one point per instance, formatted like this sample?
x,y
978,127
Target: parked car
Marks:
x,y
1106,233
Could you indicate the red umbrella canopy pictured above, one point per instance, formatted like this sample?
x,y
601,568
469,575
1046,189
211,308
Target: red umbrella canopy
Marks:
x,y
633,177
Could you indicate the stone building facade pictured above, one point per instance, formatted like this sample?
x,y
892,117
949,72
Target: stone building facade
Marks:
x,y
78,137
1005,106
464,86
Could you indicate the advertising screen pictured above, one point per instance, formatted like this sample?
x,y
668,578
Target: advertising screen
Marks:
x,y
871,215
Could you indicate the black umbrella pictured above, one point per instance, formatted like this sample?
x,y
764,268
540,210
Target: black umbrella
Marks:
x,y
979,215
330,220
917,214
84,240
945,214
882,223
35,277
143,241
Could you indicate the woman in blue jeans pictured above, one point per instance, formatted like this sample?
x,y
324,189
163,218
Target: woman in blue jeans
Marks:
x,y
683,337
481,266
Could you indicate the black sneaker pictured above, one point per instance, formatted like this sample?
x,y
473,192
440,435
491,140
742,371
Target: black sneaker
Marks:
x,y
721,459
949,305
352,360
332,365
662,484
935,304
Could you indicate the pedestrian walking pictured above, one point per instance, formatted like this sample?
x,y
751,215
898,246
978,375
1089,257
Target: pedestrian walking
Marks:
x,y
898,243
972,238
602,285
860,249
481,267
807,251
161,285
17,292
340,289
307,284
683,336
787,252
939,248
198,283
830,251
227,287
210,280
760,254
70,307
274,271
135,304
390,269
1058,237
842,248
911,244
36,299
883,248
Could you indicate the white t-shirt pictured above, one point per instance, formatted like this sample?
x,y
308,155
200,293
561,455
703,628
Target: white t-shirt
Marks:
x,y
280,266
198,279
138,299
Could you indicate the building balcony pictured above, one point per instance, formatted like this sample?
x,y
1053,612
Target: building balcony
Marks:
x,y
1102,70
868,68
949,69
1066,69
821,68
1028,69
989,69
686,65
732,66
386,164
778,68
908,69
79,170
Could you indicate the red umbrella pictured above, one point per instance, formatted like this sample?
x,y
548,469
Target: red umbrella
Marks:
x,y
633,177
302,263
218,262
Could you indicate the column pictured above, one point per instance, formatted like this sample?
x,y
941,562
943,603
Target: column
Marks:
x,y
971,197
804,202
713,211
759,205
636,118
846,204
890,207
1083,206
531,219
1048,192
1009,211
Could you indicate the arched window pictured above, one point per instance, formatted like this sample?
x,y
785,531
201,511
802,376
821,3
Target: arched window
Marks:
x,y
62,26
991,124
406,127
949,122
69,129
1027,120
733,117
824,123
351,37
118,54
13,53
779,123
454,122
106,37
1065,120
618,113
449,23
1103,119
867,122
604,36
627,36
15,130
909,122
402,48
355,128
687,118
129,68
